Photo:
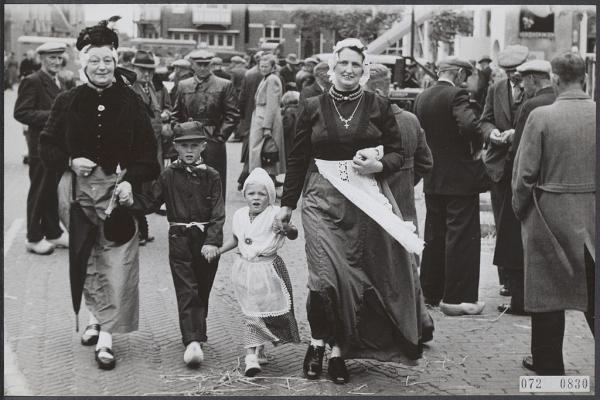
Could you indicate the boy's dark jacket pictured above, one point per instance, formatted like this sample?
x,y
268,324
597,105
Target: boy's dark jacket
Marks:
x,y
192,194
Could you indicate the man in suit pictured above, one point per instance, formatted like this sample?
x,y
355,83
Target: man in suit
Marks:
x,y
554,197
246,105
32,108
210,100
450,266
321,83
497,121
289,71
509,247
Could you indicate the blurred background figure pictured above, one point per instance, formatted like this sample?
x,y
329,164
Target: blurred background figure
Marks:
x,y
289,115
237,70
29,65
321,83
485,76
289,71
305,75
182,69
11,66
216,67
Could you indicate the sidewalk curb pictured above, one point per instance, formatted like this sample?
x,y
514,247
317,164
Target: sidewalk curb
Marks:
x,y
15,383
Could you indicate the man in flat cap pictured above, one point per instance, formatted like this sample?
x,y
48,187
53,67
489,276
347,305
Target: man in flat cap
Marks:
x,y
554,197
216,67
237,70
509,247
450,265
321,83
247,104
32,108
305,76
182,69
484,77
210,100
289,71
498,120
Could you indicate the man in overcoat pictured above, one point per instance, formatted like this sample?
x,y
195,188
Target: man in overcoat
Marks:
x,y
450,266
554,186
321,83
497,121
32,108
289,71
509,248
210,100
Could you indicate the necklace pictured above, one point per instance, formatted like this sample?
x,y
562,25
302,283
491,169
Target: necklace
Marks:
x,y
346,121
345,97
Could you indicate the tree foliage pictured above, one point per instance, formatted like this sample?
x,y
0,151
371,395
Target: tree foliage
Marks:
x,y
446,25
357,23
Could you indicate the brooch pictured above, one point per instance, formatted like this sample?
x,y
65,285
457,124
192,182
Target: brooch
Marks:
x,y
101,108
248,241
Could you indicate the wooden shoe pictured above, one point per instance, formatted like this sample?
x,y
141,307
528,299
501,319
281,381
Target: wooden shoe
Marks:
x,y
313,362
193,355
252,365
453,310
103,361
337,370
90,335
42,248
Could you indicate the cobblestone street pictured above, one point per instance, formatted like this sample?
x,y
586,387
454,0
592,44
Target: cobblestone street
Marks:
x,y
473,355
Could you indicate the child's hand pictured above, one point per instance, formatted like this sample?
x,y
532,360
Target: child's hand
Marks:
x,y
210,252
125,194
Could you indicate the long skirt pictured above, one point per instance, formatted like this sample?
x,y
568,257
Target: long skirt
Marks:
x,y
111,283
364,290
276,330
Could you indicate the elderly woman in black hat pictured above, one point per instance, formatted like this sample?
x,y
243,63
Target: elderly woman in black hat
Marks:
x,y
98,129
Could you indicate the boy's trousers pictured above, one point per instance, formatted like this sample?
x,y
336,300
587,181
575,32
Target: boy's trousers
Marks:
x,y
193,277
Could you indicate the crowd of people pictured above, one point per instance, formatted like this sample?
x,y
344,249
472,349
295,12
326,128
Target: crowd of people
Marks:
x,y
123,143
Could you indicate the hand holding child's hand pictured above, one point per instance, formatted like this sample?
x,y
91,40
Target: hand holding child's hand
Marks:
x,y
210,252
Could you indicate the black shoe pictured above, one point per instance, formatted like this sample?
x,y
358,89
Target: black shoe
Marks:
x,y
105,363
504,292
427,334
337,370
89,340
507,309
528,363
313,362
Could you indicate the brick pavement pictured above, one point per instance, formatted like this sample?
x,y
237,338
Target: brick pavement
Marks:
x,y
469,355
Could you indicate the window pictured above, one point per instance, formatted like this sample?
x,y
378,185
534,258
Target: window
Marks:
x,y
395,49
177,36
204,37
272,32
220,40
211,39
229,40
186,36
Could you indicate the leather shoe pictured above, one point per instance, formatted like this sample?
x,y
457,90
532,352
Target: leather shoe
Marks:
x,y
504,292
313,362
337,370
507,309
528,363
103,361
89,339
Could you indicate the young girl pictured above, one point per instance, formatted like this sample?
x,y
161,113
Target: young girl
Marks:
x,y
260,278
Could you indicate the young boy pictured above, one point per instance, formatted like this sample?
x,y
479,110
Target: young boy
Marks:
x,y
191,191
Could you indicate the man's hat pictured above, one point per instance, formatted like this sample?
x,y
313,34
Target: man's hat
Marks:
x,y
144,59
292,59
201,56
51,47
216,61
237,60
512,56
191,130
310,60
541,66
181,63
455,63
484,58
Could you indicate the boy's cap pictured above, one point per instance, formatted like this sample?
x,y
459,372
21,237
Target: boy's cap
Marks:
x,y
191,130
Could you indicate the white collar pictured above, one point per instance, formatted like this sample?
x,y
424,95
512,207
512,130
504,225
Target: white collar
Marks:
x,y
446,80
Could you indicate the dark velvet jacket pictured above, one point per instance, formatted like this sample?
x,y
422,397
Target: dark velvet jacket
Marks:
x,y
109,127
320,134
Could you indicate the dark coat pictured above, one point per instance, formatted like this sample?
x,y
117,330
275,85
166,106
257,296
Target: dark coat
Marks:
x,y
211,102
554,185
310,91
454,136
499,113
289,115
122,134
509,247
246,102
222,74
32,108
288,75
417,163
237,77
191,194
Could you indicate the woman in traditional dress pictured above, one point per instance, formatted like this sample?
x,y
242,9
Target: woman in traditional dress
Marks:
x,y
363,292
266,118
99,126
